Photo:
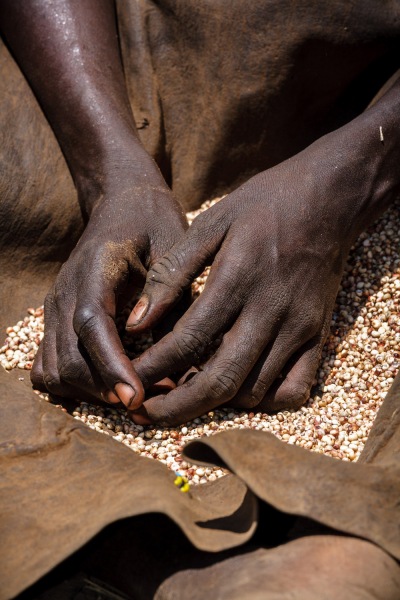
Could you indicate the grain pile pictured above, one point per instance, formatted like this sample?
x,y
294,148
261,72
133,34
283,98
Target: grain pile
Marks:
x,y
360,360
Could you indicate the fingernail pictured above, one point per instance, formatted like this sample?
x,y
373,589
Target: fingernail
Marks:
x,y
125,393
138,312
110,397
188,375
163,386
140,419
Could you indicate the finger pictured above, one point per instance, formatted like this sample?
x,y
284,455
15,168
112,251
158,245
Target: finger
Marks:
x,y
89,351
162,387
270,365
96,330
68,391
293,390
166,325
125,295
174,272
209,316
73,364
37,372
245,398
216,384
50,375
63,369
139,416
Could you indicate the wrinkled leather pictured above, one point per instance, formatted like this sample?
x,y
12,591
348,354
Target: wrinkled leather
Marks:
x,y
211,125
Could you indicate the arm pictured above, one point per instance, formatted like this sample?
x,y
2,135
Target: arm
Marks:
x,y
68,51
277,246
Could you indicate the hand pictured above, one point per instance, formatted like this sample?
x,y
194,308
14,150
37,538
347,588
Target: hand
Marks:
x,y
277,247
76,73
81,355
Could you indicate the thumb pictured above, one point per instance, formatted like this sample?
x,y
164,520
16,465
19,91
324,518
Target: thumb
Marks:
x,y
171,275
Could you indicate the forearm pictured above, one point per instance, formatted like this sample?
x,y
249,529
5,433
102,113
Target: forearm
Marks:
x,y
359,165
68,51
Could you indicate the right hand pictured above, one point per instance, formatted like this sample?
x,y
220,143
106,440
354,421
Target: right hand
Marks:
x,y
277,246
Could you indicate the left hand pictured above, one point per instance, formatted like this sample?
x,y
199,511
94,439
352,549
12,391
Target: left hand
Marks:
x,y
81,356
277,247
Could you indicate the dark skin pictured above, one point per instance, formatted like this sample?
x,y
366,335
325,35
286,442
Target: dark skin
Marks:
x,y
277,244
132,217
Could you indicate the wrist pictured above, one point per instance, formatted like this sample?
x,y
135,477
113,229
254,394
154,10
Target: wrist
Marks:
x,y
109,171
357,167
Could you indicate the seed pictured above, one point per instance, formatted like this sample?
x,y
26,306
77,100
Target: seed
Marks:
x,y
359,362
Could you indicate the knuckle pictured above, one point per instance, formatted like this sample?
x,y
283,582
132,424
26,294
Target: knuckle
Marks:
x,y
52,383
169,273
293,396
309,328
49,303
84,321
232,277
62,294
71,370
163,270
258,392
160,285
310,322
209,223
223,385
37,378
201,220
249,401
49,299
191,343
202,225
